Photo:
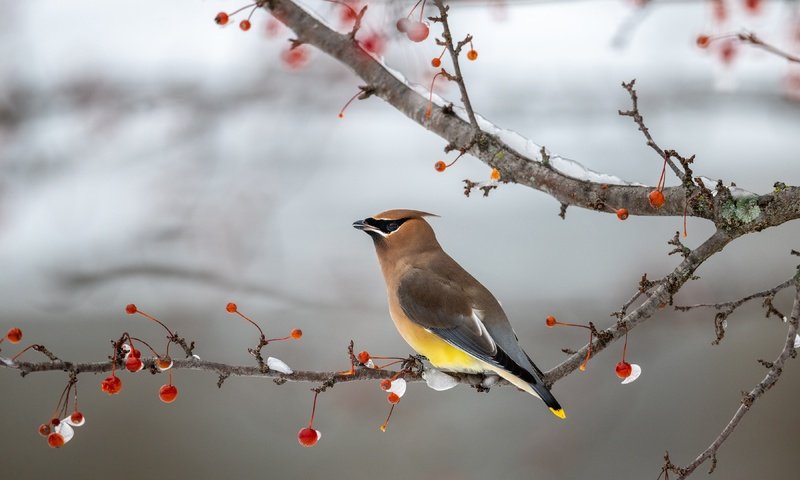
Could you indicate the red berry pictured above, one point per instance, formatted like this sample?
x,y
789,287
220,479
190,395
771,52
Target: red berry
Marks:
x,y
728,51
111,385
231,307
393,398
14,335
703,41
295,58
472,55
440,166
130,309
417,32
55,440
495,175
550,321
44,429
133,364
753,6
623,369
622,213
76,417
297,334
386,384
135,353
308,437
363,357
656,199
403,25
374,44
168,393
221,18
245,25
436,62
55,422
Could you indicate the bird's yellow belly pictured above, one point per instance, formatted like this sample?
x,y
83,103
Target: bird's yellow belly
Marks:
x,y
440,353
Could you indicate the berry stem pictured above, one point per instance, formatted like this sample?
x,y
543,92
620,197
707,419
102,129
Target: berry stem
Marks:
x,y
625,346
237,312
148,316
430,98
386,422
341,112
146,344
414,8
421,11
588,351
313,410
254,5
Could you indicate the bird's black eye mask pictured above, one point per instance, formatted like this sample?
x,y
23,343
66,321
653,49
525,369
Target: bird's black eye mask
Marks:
x,y
385,226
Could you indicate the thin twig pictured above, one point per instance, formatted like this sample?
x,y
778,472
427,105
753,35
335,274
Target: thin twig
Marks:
x,y
752,39
454,52
749,399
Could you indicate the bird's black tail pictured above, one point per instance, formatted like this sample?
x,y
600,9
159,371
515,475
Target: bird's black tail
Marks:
x,y
549,400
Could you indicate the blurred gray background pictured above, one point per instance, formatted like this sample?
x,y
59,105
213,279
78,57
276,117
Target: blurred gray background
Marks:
x,y
148,156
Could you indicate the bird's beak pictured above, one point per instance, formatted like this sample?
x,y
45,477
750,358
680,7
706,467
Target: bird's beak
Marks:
x,y
364,226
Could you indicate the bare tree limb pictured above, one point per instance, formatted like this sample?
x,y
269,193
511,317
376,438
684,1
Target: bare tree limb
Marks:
x,y
774,208
749,399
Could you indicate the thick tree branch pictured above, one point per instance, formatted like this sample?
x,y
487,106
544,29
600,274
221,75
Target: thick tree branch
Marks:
x,y
749,399
596,192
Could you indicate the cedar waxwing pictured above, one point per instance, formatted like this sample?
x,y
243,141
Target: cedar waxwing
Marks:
x,y
441,311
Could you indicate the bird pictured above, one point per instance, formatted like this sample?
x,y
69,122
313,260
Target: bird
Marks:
x,y
442,311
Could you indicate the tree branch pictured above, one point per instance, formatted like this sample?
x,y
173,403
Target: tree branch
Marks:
x,y
749,399
595,191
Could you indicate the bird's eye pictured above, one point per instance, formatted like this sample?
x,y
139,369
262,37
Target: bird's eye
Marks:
x,y
392,226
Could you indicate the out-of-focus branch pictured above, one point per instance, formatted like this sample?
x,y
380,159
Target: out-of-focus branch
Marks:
x,y
591,192
753,39
774,372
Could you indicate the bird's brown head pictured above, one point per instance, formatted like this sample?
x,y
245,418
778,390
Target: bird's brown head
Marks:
x,y
399,232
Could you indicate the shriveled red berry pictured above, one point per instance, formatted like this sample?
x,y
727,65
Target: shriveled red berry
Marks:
x,y
703,41
393,398
622,213
168,393
363,357
135,353
440,166
297,334
231,307
55,422
221,18
245,25
494,175
133,364
44,429
130,309
623,369
308,437
403,25
550,321
164,363
386,384
436,62
76,417
472,55
14,335
417,31
111,385
55,440
656,199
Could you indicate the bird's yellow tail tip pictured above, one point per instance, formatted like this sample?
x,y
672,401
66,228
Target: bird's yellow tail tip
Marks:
x,y
559,413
